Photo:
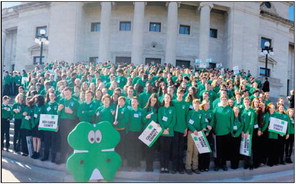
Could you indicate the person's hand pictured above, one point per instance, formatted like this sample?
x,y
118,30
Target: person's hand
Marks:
x,y
243,135
209,127
185,132
287,136
15,110
246,135
112,112
259,133
195,132
29,117
148,116
165,132
68,110
115,123
281,135
60,107
25,113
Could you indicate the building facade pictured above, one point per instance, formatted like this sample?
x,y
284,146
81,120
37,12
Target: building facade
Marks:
x,y
231,33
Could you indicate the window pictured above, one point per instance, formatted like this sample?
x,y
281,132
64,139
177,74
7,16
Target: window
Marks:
x,y
182,63
262,72
263,40
155,27
125,26
94,60
36,60
213,33
37,34
123,60
184,29
95,27
152,61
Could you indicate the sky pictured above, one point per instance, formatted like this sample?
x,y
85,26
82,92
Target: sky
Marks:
x,y
291,8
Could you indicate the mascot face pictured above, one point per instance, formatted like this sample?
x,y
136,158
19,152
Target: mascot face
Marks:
x,y
94,156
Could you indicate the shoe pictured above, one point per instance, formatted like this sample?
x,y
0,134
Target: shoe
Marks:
x,y
162,170
216,168
173,171
196,171
288,161
188,171
225,168
206,170
166,170
34,155
24,154
181,171
251,167
37,155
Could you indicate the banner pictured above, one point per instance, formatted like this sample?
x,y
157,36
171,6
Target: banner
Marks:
x,y
24,80
48,122
197,61
246,146
151,134
209,60
201,142
203,65
278,126
235,70
219,65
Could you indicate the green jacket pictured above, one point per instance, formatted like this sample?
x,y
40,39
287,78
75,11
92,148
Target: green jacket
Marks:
x,y
222,121
237,127
86,111
72,104
291,128
271,135
167,119
6,111
248,120
28,123
122,117
196,120
38,110
154,116
51,108
7,80
143,99
104,114
20,107
182,109
136,120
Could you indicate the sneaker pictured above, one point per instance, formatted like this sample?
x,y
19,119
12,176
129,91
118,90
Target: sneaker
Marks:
x,y
24,154
206,170
288,160
162,170
196,171
188,171
166,170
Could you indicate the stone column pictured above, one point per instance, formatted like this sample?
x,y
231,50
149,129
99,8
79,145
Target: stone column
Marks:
x,y
104,50
138,29
204,30
3,48
172,31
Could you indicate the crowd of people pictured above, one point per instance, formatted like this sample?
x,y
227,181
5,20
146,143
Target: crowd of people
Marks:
x,y
226,107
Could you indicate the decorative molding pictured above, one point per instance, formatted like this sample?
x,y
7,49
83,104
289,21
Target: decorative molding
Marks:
x,y
276,18
203,4
271,61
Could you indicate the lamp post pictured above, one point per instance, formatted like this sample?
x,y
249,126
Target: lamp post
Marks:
x,y
267,51
41,39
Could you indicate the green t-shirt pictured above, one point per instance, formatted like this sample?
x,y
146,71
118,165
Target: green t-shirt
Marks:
x,y
6,111
105,114
72,104
136,120
196,120
86,111
167,119
182,108
19,107
222,121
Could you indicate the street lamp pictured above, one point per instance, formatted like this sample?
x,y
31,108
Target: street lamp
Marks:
x,y
267,51
41,39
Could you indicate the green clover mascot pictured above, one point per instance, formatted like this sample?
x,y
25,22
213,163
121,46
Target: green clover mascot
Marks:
x,y
94,157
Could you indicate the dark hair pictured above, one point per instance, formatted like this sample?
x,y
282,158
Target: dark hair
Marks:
x,y
39,100
148,104
171,104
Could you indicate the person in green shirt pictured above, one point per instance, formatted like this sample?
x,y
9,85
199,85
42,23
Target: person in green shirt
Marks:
x,y
151,112
67,111
26,125
87,109
17,115
196,122
222,124
134,129
290,136
282,138
167,121
39,109
236,138
5,122
6,84
180,132
106,111
49,137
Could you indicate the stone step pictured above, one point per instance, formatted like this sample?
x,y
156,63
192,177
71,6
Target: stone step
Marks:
x,y
123,175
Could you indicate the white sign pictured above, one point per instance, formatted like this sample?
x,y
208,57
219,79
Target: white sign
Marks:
x,y
24,80
201,142
48,122
235,70
209,60
197,61
203,65
278,126
151,134
246,146
219,65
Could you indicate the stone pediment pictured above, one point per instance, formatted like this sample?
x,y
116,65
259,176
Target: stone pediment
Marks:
x,y
270,60
36,47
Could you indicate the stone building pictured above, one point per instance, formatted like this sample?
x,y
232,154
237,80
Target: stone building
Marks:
x,y
231,33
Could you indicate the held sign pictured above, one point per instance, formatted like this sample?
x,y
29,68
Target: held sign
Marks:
x,y
278,126
151,134
201,142
246,146
48,122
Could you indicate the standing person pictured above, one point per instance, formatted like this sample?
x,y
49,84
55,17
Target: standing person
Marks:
x,y
135,126
291,99
265,87
196,122
120,124
167,121
151,114
262,135
180,132
17,115
39,109
49,137
282,138
236,138
290,137
87,109
5,122
6,83
222,124
26,125
256,139
67,111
